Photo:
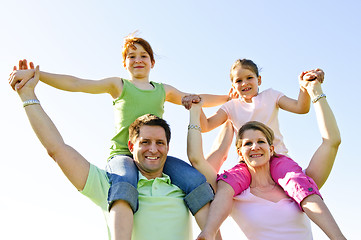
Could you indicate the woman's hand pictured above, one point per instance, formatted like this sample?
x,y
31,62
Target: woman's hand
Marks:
x,y
313,88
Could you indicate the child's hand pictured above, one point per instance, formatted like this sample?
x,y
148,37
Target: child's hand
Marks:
x,y
313,75
310,85
309,76
19,77
188,100
233,94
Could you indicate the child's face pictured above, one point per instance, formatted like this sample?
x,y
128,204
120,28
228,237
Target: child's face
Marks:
x,y
138,62
246,83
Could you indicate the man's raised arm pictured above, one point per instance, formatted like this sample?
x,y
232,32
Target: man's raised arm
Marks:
x,y
74,166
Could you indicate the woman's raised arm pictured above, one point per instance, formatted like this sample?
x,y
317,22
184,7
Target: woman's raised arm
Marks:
x,y
323,159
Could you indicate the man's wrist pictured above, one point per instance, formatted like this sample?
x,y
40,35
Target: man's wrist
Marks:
x,y
31,102
27,96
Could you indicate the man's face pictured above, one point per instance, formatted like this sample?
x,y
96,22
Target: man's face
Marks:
x,y
150,151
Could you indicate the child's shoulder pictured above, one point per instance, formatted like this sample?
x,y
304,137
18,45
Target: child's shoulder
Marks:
x,y
159,83
270,91
267,90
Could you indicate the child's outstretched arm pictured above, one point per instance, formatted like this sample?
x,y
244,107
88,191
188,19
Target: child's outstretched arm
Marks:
x,y
302,104
112,85
214,121
175,96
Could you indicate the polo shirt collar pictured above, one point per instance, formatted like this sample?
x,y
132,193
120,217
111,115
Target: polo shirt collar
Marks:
x,y
142,180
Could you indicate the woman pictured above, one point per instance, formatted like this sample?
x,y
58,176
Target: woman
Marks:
x,y
264,211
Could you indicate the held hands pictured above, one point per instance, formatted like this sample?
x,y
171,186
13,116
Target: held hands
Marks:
x,y
311,75
188,100
313,87
196,107
30,84
18,78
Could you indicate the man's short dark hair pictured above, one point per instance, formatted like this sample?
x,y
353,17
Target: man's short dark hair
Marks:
x,y
148,120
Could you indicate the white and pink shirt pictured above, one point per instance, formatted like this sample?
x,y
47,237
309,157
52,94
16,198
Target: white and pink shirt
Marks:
x,y
263,108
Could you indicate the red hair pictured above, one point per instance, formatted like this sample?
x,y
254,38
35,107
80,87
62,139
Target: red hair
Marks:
x,y
129,42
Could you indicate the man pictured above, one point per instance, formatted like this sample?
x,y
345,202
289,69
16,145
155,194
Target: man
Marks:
x,y
162,213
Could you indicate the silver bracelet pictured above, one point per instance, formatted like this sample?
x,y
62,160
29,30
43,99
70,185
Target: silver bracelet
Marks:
x,y
318,97
196,127
30,102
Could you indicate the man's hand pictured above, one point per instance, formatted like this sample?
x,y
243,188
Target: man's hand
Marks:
x,y
30,84
19,77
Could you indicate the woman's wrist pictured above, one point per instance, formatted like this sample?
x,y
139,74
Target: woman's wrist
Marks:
x,y
318,97
315,91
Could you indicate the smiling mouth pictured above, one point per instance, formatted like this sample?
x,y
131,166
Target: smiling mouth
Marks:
x,y
246,89
152,158
256,155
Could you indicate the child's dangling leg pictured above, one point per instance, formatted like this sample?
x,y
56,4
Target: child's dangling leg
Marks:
x,y
122,196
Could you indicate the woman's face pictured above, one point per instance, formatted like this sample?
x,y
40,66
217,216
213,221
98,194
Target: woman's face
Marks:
x,y
255,150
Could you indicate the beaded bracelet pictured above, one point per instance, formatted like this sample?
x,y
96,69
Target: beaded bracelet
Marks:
x,y
30,102
196,127
318,97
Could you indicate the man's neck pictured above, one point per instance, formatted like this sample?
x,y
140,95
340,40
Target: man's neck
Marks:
x,y
151,175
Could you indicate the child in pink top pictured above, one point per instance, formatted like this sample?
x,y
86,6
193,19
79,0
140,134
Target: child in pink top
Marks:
x,y
263,107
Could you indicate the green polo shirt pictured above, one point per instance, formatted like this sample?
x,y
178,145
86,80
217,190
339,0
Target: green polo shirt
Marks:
x,y
162,213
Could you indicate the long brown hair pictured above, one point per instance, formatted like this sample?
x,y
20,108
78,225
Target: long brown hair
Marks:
x,y
255,125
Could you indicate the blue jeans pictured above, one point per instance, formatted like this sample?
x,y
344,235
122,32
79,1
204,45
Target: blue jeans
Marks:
x,y
123,178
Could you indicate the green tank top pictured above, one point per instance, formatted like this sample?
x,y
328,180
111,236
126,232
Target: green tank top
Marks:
x,y
133,103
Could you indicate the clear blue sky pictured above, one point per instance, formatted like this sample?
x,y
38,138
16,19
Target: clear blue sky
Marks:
x,y
196,42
